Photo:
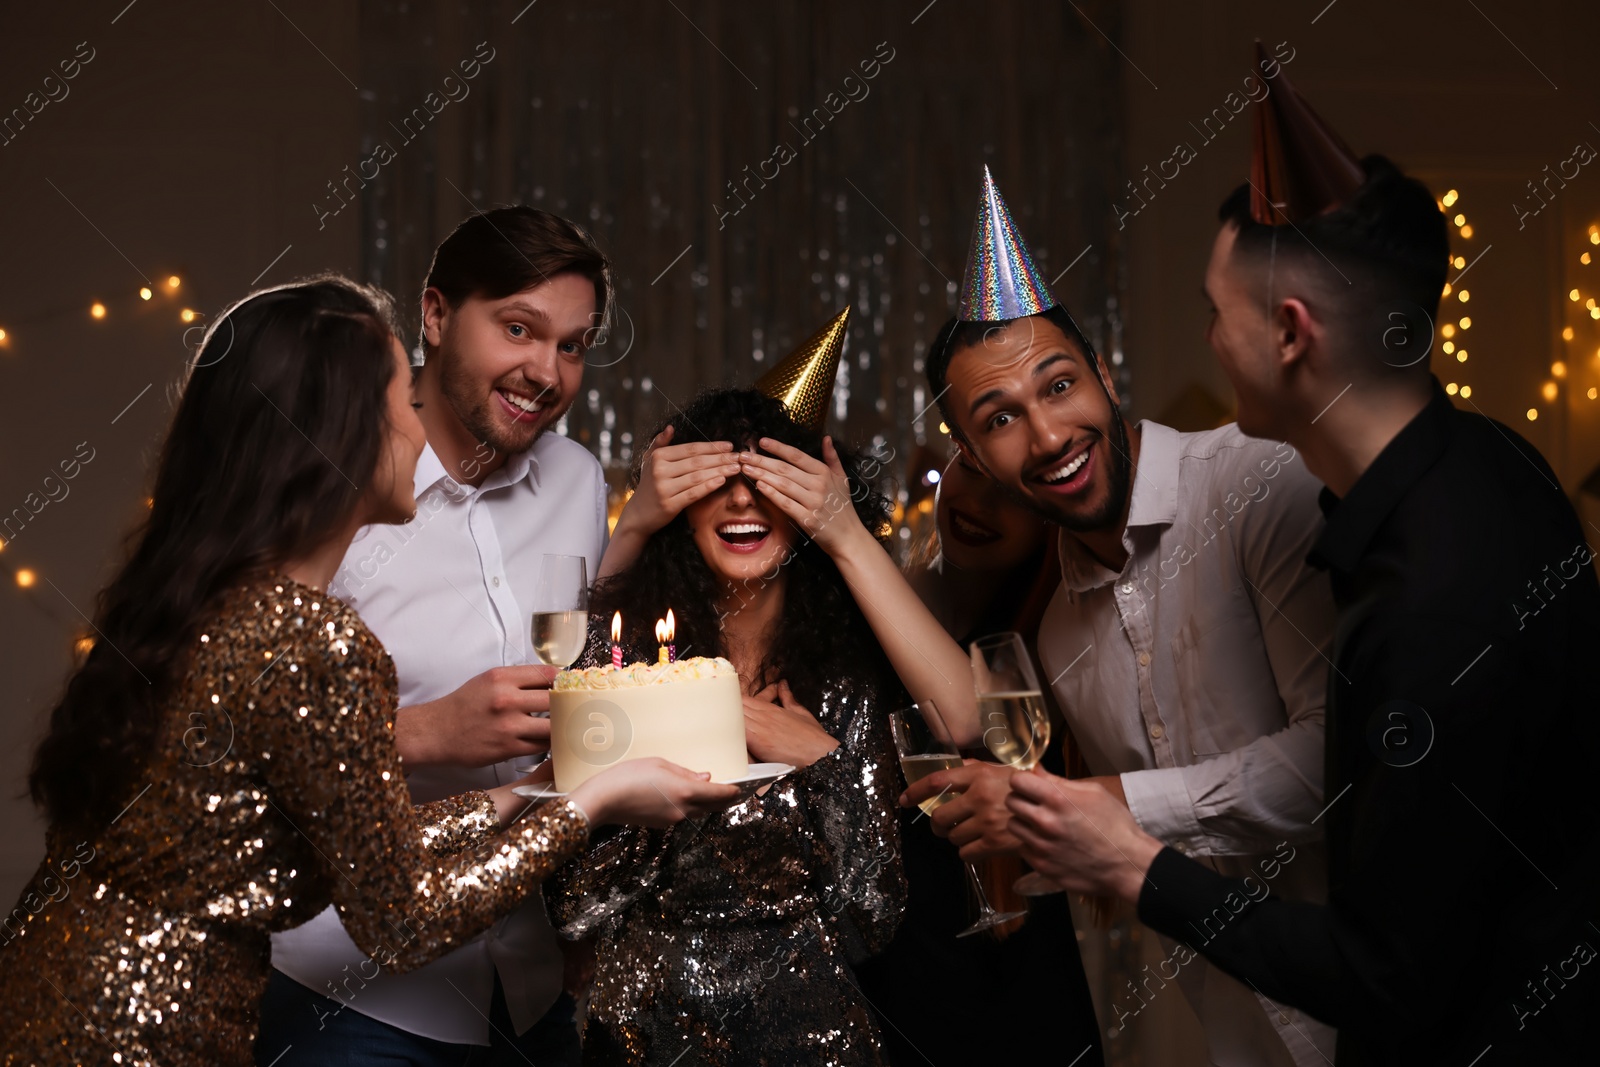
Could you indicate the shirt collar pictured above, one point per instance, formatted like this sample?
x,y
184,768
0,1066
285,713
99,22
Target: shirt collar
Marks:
x,y
1154,502
1354,519
518,465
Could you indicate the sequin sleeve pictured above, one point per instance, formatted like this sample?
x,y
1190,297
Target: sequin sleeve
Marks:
x,y
327,713
850,804
605,881
457,822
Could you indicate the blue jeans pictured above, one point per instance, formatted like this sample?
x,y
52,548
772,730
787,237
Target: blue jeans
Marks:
x,y
302,1028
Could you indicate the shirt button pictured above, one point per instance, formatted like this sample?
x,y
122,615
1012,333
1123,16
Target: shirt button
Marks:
x,y
1157,732
497,583
1144,659
1127,587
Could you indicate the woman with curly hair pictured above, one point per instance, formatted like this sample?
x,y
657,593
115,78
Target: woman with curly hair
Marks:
x,y
735,938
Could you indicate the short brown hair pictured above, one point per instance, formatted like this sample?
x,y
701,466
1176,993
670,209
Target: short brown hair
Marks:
x,y
505,250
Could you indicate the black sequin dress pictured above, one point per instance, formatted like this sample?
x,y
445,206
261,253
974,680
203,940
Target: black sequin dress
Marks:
x,y
274,790
729,941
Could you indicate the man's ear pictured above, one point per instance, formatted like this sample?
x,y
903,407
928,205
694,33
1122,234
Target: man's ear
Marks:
x,y
435,309
1293,333
1104,371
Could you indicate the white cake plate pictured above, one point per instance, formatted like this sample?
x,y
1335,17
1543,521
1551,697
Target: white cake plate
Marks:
x,y
755,774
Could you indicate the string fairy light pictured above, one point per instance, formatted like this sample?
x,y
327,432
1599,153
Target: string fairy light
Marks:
x,y
101,310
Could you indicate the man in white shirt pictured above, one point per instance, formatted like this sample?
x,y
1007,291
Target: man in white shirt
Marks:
x,y
514,299
1184,644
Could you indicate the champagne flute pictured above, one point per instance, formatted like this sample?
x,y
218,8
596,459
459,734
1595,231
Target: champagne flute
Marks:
x,y
925,745
1011,709
560,620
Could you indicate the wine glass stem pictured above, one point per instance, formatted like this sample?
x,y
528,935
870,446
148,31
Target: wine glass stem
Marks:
x,y
985,909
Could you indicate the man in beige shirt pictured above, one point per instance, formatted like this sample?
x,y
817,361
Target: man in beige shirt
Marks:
x,y
1185,645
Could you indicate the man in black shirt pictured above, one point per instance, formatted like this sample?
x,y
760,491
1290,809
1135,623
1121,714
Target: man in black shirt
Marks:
x,y
1463,914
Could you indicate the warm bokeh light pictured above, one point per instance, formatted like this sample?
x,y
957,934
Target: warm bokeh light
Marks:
x,y
1549,391
97,310
1594,237
1573,296
1463,296
173,282
1451,197
1449,329
1593,392
4,337
1594,313
1466,390
83,646
1466,322
1584,259
145,293
1460,220
187,315
1451,388
1461,356
25,578
1466,231
1558,369
944,428
1460,261
1447,288
1566,334
1449,347
1533,414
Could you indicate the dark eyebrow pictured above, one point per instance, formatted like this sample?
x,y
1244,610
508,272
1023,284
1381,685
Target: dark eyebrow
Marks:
x,y
1043,365
526,309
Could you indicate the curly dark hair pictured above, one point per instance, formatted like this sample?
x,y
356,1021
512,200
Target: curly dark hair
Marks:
x,y
822,639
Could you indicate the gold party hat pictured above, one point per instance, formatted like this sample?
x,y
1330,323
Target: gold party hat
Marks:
x,y
804,380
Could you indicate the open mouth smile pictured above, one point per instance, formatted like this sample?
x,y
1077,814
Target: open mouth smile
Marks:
x,y
522,408
970,531
743,536
1071,477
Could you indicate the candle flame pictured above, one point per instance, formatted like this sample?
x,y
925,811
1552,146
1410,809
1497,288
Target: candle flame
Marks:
x,y
661,631
616,628
672,626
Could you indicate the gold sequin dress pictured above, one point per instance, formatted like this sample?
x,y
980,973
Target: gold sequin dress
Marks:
x,y
728,940
274,790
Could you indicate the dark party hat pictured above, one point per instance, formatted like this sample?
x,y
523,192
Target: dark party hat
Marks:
x,y
1299,167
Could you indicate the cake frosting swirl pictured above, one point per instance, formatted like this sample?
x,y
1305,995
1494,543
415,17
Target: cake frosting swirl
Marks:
x,y
691,669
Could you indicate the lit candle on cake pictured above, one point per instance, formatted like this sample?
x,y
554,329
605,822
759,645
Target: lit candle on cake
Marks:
x,y
672,632
661,640
616,641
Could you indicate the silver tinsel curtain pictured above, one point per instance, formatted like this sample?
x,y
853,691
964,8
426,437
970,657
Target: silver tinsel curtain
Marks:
x,y
752,168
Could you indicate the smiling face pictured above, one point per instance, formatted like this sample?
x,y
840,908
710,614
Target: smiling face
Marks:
x,y
740,534
391,496
510,368
1028,403
980,526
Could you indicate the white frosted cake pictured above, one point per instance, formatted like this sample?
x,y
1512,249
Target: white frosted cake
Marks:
x,y
690,712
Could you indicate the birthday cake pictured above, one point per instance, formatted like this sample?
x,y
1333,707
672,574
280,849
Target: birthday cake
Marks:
x,y
690,712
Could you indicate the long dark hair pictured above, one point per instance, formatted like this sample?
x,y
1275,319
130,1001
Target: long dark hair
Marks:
x,y
822,636
281,424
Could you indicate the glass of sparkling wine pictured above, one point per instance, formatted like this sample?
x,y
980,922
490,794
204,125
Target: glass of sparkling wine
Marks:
x,y
1012,712
560,619
926,746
